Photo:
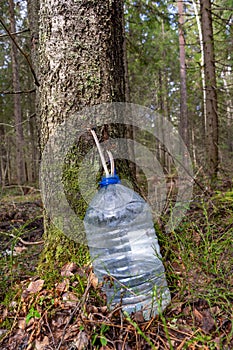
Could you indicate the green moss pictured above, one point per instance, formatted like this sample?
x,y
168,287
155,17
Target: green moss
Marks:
x,y
224,197
58,251
7,324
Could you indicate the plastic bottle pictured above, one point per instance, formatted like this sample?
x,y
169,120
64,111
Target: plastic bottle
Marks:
x,y
123,245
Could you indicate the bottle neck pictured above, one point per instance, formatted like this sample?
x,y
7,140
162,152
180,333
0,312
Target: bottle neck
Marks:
x,y
109,180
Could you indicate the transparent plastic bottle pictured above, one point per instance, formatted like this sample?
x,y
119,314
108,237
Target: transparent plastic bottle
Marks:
x,y
123,245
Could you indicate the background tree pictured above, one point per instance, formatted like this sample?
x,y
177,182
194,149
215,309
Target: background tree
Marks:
x,y
211,89
16,94
184,127
21,176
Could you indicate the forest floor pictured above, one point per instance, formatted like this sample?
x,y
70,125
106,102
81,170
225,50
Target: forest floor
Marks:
x,y
72,314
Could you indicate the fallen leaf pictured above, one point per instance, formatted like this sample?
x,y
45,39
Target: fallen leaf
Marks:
x,y
205,319
4,315
104,309
24,295
82,340
22,324
198,315
3,331
70,299
63,286
92,309
68,269
13,304
93,280
208,323
41,345
35,287
186,310
138,316
19,250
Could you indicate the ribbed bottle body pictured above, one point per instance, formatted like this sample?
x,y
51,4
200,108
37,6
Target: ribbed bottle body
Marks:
x,y
123,245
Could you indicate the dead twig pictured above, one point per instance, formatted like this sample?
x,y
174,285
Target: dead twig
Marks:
x,y
21,240
47,324
81,302
14,323
17,92
21,51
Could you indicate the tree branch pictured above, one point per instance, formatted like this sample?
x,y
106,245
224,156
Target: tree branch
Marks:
x,y
17,92
20,239
21,51
16,33
23,122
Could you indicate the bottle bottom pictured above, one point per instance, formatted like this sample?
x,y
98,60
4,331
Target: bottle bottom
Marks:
x,y
149,298
149,307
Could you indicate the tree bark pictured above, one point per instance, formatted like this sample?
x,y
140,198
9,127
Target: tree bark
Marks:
x,y
211,90
81,64
21,176
81,57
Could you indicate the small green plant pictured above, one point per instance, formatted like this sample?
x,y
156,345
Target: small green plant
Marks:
x,y
32,313
100,336
139,331
158,298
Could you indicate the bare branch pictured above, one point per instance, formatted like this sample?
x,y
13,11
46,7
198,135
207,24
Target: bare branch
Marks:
x,y
20,239
17,92
21,51
25,121
16,33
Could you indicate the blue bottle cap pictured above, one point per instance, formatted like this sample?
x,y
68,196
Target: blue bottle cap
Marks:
x,y
109,180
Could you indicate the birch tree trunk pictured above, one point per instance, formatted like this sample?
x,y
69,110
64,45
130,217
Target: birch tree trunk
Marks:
x,y
21,176
81,64
211,90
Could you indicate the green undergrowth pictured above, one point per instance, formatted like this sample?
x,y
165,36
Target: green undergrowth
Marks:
x,y
199,253
17,193
20,222
198,258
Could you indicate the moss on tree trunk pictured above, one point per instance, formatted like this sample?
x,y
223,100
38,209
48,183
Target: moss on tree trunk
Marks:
x,y
81,62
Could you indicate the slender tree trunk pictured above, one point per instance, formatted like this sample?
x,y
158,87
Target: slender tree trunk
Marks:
x,y
183,87
34,149
227,77
34,122
211,91
162,154
3,157
33,8
201,63
127,86
21,176
162,76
